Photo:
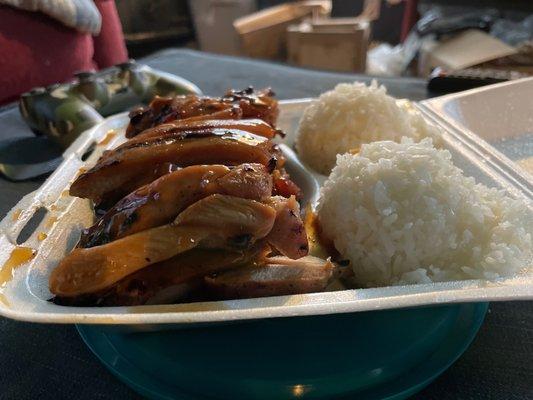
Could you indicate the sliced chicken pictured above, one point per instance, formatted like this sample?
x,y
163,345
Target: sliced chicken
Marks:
x,y
245,103
165,109
288,233
191,207
188,128
278,276
260,104
166,281
255,126
283,184
161,201
219,146
217,221
109,199
232,112
249,181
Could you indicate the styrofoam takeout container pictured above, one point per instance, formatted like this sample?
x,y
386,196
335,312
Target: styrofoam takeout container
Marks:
x,y
25,296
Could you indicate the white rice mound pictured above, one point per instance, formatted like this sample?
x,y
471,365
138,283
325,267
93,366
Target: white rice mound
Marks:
x,y
352,114
403,213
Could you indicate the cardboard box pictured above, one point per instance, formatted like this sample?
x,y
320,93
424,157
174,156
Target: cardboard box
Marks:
x,y
213,20
467,49
264,34
330,44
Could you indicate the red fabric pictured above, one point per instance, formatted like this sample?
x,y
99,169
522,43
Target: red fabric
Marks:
x,y
36,50
410,17
109,46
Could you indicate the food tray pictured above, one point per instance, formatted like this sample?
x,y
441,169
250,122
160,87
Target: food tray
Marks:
x,y
25,296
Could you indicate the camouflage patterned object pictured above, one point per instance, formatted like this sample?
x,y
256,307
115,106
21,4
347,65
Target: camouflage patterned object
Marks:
x,y
64,111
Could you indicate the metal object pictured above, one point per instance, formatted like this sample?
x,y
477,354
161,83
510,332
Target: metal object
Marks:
x,y
63,111
28,157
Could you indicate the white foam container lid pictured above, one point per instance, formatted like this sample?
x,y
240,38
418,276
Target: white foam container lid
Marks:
x,y
25,296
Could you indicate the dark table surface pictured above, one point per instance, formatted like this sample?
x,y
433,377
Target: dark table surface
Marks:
x,y
51,361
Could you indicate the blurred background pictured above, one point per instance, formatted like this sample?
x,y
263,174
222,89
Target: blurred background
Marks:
x,y
378,37
466,41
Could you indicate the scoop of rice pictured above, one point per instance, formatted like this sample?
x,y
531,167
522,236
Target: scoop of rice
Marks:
x,y
403,213
350,115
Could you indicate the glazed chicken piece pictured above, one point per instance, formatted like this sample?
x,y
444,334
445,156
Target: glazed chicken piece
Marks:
x,y
277,276
248,181
288,233
283,184
170,133
235,104
161,201
102,205
123,168
255,126
166,109
167,281
260,104
217,221
232,112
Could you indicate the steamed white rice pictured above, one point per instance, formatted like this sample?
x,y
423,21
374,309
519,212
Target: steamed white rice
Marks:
x,y
351,115
403,213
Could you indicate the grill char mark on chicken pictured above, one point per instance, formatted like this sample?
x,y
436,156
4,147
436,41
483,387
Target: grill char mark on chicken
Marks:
x,y
217,221
161,201
249,103
126,167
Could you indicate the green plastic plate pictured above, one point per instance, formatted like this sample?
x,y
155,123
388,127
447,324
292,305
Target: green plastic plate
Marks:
x,y
388,354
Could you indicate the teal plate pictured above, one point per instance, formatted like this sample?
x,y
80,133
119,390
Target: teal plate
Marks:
x,y
388,354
